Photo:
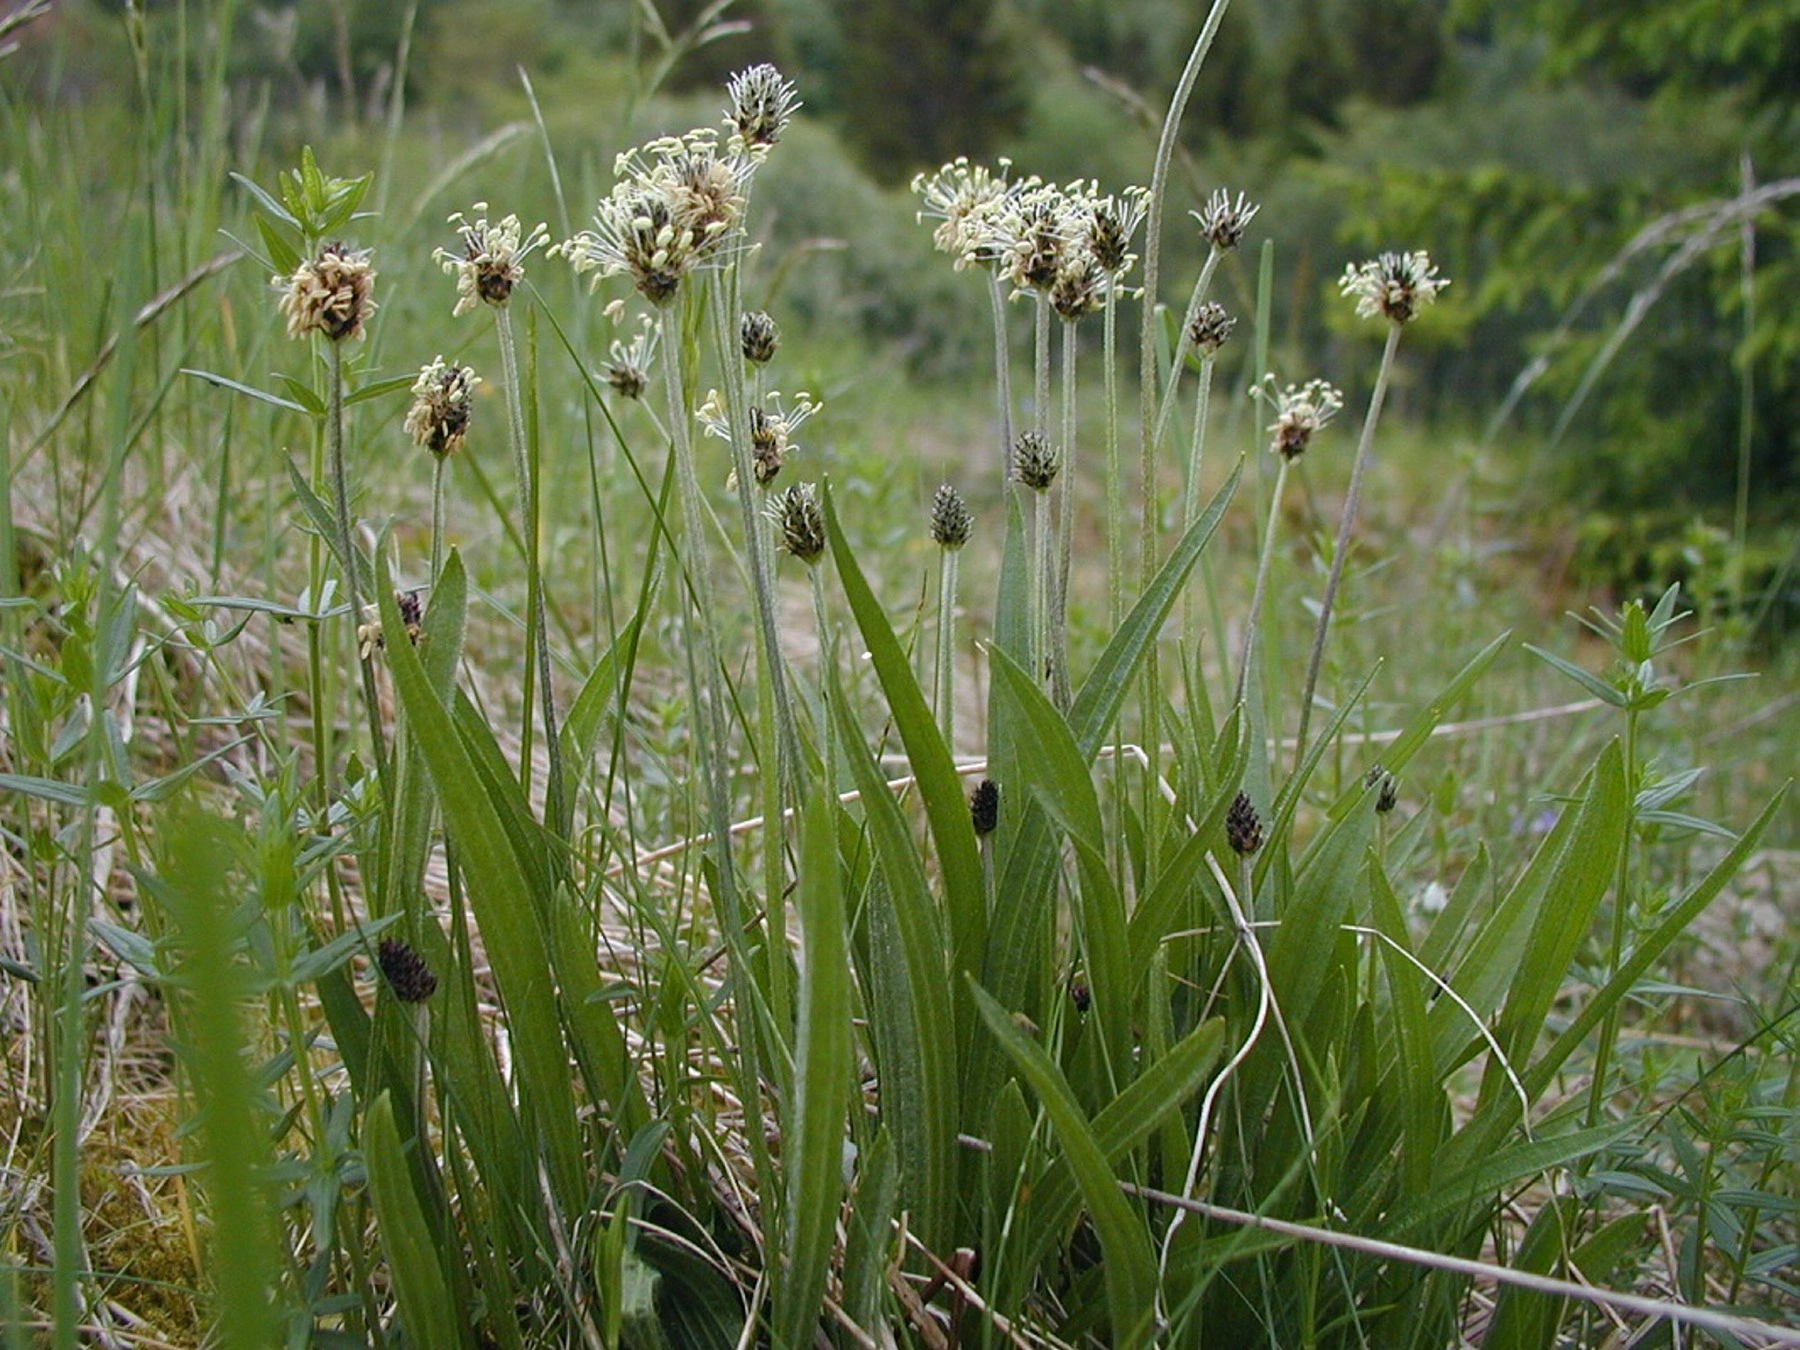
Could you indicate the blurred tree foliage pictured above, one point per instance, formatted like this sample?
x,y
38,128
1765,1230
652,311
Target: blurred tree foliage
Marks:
x,y
1606,235
923,81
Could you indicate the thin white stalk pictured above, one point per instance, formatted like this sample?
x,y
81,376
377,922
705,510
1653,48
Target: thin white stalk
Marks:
x,y
1346,526
1115,492
1246,939
437,519
1041,584
1745,1328
1190,504
537,634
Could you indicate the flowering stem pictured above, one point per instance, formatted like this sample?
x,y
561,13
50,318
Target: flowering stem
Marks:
x,y
1040,589
1342,551
437,519
1159,183
1262,579
1609,1027
1059,656
334,443
1115,498
1184,344
1040,389
1002,375
1190,505
537,637
946,646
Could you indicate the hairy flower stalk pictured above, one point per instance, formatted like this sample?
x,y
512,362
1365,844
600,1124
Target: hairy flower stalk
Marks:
x,y
1209,331
1036,465
1222,225
1155,201
1396,287
950,526
1301,412
967,199
1111,224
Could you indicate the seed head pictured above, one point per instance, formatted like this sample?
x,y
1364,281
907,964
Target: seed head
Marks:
x,y
676,206
1080,285
966,198
405,971
1301,411
950,518
1395,286
1388,795
439,418
369,635
1035,461
1223,222
1111,223
984,806
1243,827
1211,328
772,428
795,512
490,262
758,337
762,105
332,294
628,372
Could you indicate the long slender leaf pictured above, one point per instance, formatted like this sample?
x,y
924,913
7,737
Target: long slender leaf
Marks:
x,y
422,1292
940,788
504,907
824,1073
1650,948
1129,1267
1058,775
909,997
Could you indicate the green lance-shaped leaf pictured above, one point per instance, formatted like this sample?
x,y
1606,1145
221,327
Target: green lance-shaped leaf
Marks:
x,y
1058,778
1129,1266
824,1075
1572,867
423,1294
909,1004
940,788
503,904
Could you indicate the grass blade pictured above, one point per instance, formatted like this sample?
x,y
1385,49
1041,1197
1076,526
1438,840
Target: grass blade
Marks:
x,y
824,1073
1129,1266
420,1289
909,997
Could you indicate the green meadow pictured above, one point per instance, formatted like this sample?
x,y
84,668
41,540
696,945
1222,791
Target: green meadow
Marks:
x,y
962,675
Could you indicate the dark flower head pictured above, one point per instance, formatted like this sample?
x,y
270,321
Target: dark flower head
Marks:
x,y
1211,328
795,512
1035,461
950,518
984,806
405,971
1243,827
762,105
759,338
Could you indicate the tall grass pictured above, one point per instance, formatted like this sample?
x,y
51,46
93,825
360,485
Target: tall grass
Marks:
x,y
729,1020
